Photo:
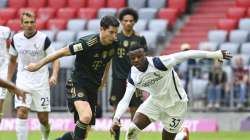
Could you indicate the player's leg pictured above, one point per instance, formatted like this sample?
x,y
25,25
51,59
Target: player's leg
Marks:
x,y
1,109
183,134
117,91
172,120
2,97
41,104
22,117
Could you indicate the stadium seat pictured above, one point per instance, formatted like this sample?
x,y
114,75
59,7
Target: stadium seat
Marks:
x,y
76,25
218,36
238,36
2,22
77,3
56,4
57,45
231,47
245,48
106,11
236,13
17,3
96,4
116,3
46,13
169,14
208,46
66,13
227,24
157,4
160,26
3,3
56,24
84,33
94,25
37,3
151,38
87,13
50,34
14,24
40,24
248,13
66,36
180,5
147,13
140,25
67,62
7,13
136,4
21,10
244,24
243,3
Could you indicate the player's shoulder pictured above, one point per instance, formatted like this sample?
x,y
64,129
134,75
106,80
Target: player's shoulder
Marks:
x,y
4,29
89,40
18,35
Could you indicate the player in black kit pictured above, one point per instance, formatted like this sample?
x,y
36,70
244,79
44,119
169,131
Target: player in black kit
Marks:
x,y
93,53
121,64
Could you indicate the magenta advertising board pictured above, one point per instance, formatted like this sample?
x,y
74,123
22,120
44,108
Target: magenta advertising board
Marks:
x,y
103,124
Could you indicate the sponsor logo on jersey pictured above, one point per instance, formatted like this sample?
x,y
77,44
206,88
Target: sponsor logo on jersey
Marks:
x,y
77,47
150,80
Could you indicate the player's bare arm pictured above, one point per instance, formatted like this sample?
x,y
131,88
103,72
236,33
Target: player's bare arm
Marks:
x,y
58,54
54,76
11,67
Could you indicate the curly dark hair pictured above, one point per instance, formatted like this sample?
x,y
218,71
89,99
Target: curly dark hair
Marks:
x,y
128,11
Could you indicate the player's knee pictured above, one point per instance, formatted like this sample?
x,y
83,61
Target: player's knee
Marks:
x,y
22,112
44,121
132,132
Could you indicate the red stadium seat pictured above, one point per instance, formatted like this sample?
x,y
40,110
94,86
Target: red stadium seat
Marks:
x,y
37,3
236,13
46,13
21,10
116,3
56,24
14,24
227,24
66,13
17,3
169,14
77,3
96,4
180,5
243,3
248,13
87,13
2,22
7,13
40,24
57,3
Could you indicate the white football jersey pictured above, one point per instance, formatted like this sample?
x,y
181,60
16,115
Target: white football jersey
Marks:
x,y
31,50
4,55
159,80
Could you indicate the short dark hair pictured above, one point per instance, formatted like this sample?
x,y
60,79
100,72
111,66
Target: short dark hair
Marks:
x,y
107,21
128,11
135,46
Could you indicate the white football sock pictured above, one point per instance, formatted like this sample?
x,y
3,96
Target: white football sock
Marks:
x,y
21,129
45,131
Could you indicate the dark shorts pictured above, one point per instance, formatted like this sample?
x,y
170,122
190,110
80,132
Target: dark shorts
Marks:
x,y
77,93
118,90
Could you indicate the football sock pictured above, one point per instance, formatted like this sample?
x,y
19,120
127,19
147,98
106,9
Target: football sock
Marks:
x,y
21,129
117,134
80,130
45,131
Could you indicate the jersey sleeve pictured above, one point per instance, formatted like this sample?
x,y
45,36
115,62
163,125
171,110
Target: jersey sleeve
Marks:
x,y
47,46
124,103
144,43
12,50
78,47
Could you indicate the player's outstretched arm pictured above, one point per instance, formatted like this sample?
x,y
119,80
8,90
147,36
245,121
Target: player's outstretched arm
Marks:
x,y
179,57
55,68
58,54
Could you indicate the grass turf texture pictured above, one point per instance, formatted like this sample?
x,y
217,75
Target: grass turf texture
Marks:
x,y
93,135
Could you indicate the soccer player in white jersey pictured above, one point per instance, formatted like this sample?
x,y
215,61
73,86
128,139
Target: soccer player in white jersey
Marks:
x,y
167,102
4,59
29,46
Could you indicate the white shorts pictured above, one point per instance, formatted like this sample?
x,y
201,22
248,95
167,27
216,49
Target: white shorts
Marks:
x,y
3,75
37,100
171,117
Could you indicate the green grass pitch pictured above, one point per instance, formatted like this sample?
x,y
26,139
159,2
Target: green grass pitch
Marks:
x,y
93,135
